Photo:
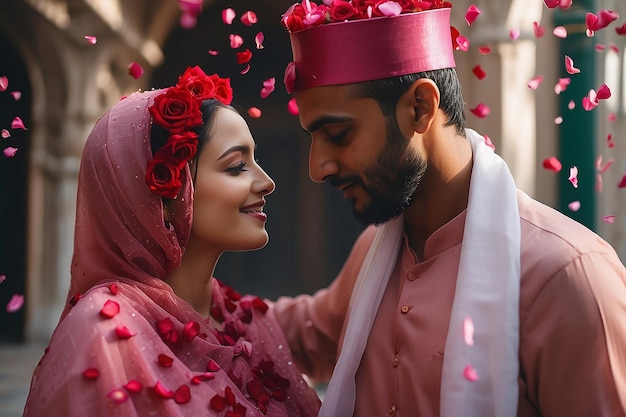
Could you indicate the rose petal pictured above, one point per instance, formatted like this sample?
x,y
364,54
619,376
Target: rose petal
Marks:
x,y
188,20
604,92
608,219
489,143
571,105
621,30
9,151
212,366
5,134
479,72
565,4
245,70
133,386
258,40
213,52
235,41
558,120
569,66
114,289
599,183
539,30
218,403
228,15
612,117
2,278
110,309
534,83
574,206
4,83
562,85
470,373
601,20
165,361
254,112
573,176
247,348
484,50
560,32
135,70
249,18
15,303
622,182
514,34
16,95
551,4
552,164
468,331
481,110
268,87
471,14
590,102
244,57
609,141
118,396
123,332
91,373
191,330
390,8
162,391
614,48
182,395
91,39
17,123
462,43
292,107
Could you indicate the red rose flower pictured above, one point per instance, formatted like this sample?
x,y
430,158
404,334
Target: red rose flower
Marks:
x,y
197,82
181,147
163,177
176,110
341,10
290,77
223,90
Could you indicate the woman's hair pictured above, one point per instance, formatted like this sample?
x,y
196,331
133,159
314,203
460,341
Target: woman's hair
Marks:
x,y
388,91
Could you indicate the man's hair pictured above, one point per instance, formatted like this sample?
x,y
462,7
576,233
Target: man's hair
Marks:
x,y
388,91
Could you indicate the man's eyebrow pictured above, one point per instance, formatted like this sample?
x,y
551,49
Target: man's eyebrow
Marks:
x,y
324,120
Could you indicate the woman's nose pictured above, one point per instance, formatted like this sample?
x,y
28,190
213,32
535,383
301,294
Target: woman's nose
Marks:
x,y
264,183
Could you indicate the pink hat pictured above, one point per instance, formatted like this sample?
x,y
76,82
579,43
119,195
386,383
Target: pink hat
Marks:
x,y
380,42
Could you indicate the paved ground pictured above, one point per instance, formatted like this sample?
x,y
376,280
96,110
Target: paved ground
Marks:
x,y
17,362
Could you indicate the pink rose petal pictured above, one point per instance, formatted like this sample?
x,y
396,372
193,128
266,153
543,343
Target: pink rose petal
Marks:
x,y
16,95
110,309
489,143
471,14
599,184
608,219
235,41
604,92
213,52
600,47
245,70
481,110
470,373
569,66
15,303
560,32
562,85
91,39
463,43
292,107
468,331
601,20
610,142
573,176
91,374
2,278
188,20
17,123
118,396
552,164
574,206
539,30
600,168
9,151
4,83
514,34
135,70
558,120
622,182
612,117
551,4
565,4
162,391
534,83
133,386
123,332
258,40
228,15
268,87
484,50
5,134
590,102
254,112
614,48
390,8
249,18
571,105
479,72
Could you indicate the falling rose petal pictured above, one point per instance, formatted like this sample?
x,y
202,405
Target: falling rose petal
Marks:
x,y
245,70
268,87
562,85
254,112
514,34
228,15
10,151
123,333
558,120
601,20
165,360
609,141
470,373
162,391
604,92
608,219
249,18
565,4
551,4
110,309
621,30
569,66
462,43
134,386
600,168
481,110
235,41
590,102
573,176
489,143
182,395
612,117
622,182
16,95
135,70
91,373
213,52
5,134
292,107
614,48
534,83
471,14
484,50
479,72
118,396
539,30
17,123
91,39
3,278
212,366
599,184
390,8
4,83
244,57
258,40
188,20
574,206
600,47
468,331
552,164
15,303
560,32
571,105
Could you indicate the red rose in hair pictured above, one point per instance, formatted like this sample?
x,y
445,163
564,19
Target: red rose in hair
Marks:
x,y
176,110
223,91
197,82
341,10
163,177
181,147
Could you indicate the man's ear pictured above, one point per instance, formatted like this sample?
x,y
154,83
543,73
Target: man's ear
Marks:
x,y
418,106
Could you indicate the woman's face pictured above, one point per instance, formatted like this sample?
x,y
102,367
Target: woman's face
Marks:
x,y
230,188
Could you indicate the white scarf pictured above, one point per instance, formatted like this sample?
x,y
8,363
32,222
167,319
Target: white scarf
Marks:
x,y
487,292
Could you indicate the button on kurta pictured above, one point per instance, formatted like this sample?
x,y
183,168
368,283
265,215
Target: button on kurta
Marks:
x,y
393,409
405,309
396,362
411,276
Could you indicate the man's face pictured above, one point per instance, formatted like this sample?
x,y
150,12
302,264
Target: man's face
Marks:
x,y
359,151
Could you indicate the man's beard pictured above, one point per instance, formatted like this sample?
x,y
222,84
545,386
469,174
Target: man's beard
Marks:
x,y
391,182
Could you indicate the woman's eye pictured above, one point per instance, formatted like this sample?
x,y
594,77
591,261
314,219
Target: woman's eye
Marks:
x,y
237,169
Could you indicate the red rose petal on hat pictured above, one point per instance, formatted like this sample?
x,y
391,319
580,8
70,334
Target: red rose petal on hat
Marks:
x,y
9,151
292,107
123,333
552,164
539,30
479,72
162,391
110,309
235,41
471,14
4,83
470,373
534,83
560,32
244,57
133,386
481,110
118,395
135,70
249,18
254,112
182,395
17,123
91,373
91,39
569,66
258,40
212,366
165,360
228,15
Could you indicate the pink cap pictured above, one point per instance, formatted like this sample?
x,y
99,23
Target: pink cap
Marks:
x,y
372,49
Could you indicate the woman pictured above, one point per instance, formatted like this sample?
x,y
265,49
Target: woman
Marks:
x,y
168,182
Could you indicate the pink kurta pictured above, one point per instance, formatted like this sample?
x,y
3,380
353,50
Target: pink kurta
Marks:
x,y
572,322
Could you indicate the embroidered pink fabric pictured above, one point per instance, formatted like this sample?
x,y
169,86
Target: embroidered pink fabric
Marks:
x,y
130,346
372,49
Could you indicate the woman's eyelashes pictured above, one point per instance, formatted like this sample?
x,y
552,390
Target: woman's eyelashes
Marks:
x,y
237,169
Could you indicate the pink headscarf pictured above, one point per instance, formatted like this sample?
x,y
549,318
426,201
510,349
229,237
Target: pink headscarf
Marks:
x,y
127,345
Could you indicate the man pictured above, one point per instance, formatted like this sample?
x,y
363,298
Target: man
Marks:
x,y
464,297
